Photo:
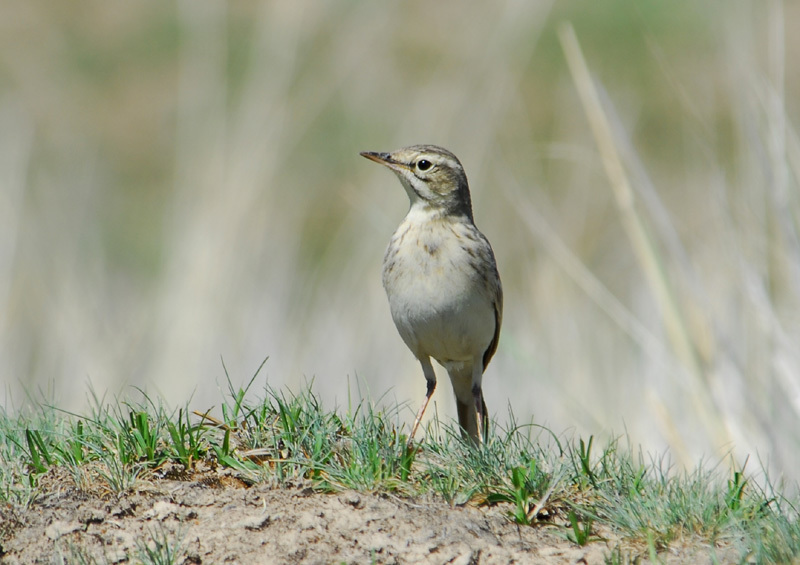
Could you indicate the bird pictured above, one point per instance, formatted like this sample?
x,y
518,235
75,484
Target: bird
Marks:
x,y
442,282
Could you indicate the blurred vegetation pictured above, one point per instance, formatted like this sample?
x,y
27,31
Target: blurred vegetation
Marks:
x,y
181,181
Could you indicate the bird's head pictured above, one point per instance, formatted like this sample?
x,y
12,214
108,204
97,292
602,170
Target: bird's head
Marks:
x,y
432,176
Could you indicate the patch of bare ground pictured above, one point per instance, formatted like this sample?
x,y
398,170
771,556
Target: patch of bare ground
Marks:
x,y
217,518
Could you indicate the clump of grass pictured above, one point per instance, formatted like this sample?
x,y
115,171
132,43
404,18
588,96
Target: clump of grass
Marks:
x,y
160,547
536,476
292,437
115,443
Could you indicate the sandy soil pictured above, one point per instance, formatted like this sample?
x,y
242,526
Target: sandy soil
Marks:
x,y
221,519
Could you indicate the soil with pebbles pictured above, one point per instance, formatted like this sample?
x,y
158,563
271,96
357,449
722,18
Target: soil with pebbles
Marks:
x,y
218,518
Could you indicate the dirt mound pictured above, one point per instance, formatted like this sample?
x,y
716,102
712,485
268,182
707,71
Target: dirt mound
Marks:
x,y
217,518
223,520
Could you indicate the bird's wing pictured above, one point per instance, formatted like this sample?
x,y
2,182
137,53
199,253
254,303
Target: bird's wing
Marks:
x,y
498,320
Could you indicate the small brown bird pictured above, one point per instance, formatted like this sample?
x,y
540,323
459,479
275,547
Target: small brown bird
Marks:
x,y
441,279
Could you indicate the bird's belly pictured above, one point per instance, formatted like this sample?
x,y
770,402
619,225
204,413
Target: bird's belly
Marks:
x,y
439,305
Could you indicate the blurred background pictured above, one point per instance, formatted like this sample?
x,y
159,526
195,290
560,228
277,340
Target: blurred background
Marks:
x,y
180,185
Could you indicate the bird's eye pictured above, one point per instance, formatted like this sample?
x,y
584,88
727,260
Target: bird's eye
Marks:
x,y
424,164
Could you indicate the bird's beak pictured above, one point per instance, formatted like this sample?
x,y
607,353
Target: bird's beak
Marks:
x,y
382,158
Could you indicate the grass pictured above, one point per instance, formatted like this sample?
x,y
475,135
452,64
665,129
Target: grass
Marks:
x,y
571,485
159,549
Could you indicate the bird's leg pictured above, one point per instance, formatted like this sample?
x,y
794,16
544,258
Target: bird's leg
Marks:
x,y
430,379
480,417
477,397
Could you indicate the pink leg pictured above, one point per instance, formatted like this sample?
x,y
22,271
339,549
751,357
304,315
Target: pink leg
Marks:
x,y
430,378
